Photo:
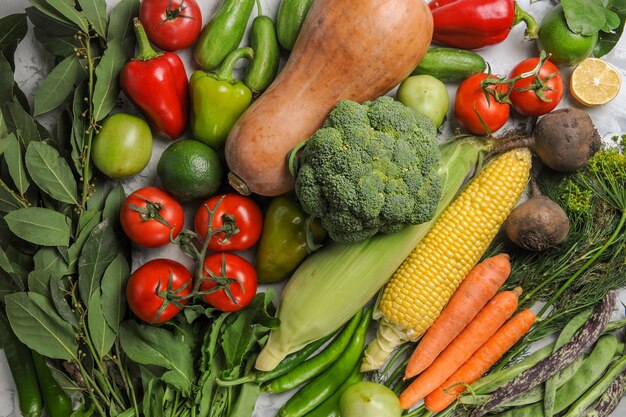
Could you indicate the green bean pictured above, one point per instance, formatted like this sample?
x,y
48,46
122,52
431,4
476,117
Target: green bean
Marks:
x,y
611,398
590,371
566,334
318,390
597,390
287,364
314,366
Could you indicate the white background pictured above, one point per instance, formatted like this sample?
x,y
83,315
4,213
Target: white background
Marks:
x,y
32,66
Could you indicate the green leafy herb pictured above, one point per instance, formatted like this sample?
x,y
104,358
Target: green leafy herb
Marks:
x,y
13,29
107,85
37,325
15,163
113,291
40,226
608,40
585,17
57,86
102,335
39,282
51,172
96,13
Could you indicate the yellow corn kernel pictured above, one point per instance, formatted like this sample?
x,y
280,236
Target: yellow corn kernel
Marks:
x,y
423,284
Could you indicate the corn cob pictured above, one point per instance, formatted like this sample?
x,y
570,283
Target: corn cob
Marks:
x,y
423,284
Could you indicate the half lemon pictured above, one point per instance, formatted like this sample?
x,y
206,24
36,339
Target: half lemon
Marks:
x,y
595,82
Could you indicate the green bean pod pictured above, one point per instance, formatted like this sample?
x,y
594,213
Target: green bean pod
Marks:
x,y
264,66
310,368
57,402
566,334
595,392
591,371
289,363
23,370
609,401
321,388
330,407
223,33
291,15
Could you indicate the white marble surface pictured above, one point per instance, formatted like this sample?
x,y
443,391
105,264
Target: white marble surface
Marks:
x,y
610,120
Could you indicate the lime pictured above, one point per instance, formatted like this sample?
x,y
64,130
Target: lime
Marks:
x,y
190,170
566,47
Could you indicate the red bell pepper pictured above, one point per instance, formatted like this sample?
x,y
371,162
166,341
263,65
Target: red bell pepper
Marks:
x,y
156,82
474,24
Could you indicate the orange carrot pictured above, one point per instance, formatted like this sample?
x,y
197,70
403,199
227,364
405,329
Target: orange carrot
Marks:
x,y
478,287
481,361
485,324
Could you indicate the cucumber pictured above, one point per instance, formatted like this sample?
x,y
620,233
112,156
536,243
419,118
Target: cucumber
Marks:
x,y
450,65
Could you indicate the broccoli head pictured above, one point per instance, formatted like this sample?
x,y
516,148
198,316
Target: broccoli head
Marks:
x,y
370,168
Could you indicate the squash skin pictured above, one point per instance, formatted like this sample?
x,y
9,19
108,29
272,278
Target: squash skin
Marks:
x,y
348,49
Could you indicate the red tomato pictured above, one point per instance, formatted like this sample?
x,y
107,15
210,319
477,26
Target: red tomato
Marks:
x,y
149,214
225,267
239,213
528,102
151,278
171,24
471,99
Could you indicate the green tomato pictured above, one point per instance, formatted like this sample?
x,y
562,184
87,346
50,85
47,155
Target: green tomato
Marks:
x,y
369,399
123,146
425,94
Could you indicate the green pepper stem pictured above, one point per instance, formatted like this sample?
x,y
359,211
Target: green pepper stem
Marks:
x,y
532,28
225,72
146,51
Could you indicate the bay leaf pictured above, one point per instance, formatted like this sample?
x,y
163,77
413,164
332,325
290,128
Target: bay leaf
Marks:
x,y
51,13
13,29
96,13
79,127
43,22
51,172
102,335
40,226
67,9
21,123
37,325
57,85
6,86
114,291
8,200
107,86
56,45
58,288
121,19
14,158
50,260
113,204
99,251
39,282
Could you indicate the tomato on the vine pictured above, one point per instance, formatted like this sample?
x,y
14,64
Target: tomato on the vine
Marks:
x,y
148,286
232,280
474,108
526,95
149,214
240,216
171,24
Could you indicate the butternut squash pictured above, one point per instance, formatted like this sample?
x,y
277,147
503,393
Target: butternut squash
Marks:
x,y
347,49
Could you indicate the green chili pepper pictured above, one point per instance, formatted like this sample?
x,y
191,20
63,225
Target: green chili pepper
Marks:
x,y
23,370
289,363
218,100
330,407
223,33
57,402
321,388
288,236
264,66
310,368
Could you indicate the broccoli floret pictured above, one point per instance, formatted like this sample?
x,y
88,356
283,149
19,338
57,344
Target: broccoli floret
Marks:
x,y
371,168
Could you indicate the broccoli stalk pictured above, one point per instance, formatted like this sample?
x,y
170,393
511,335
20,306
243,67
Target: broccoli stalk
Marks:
x,y
370,168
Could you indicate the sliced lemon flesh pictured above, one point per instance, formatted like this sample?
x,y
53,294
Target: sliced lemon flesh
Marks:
x,y
595,82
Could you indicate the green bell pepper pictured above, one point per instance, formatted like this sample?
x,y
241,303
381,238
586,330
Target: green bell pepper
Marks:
x,y
218,100
289,235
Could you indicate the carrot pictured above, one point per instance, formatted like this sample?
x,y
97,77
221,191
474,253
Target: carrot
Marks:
x,y
484,325
481,361
478,287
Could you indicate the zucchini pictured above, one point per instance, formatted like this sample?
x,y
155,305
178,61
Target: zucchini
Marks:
x,y
450,65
